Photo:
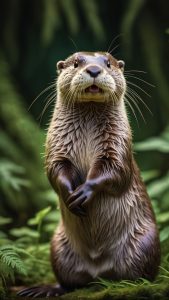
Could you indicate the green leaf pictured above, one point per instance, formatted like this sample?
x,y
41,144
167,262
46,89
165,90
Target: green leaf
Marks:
x,y
10,175
39,216
11,261
153,144
150,174
164,234
4,221
128,22
3,235
157,187
71,15
163,217
50,21
50,197
93,20
24,231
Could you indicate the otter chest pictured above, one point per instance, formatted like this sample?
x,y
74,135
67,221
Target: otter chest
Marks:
x,y
86,134
82,143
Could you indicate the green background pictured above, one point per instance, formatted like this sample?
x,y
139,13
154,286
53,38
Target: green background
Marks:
x,y
34,35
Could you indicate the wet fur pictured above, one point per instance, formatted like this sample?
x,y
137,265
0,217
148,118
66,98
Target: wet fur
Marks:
x,y
118,237
109,230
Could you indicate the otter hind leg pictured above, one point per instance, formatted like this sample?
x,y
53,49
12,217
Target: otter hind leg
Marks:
x,y
150,246
138,258
69,267
42,291
144,256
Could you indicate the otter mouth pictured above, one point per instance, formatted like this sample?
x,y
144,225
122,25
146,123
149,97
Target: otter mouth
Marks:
x,y
93,89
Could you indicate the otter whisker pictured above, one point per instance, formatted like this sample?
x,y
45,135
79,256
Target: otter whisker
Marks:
x,y
140,79
50,100
114,48
138,87
105,106
44,91
70,96
136,105
135,71
114,97
68,99
73,42
134,93
114,39
132,109
74,95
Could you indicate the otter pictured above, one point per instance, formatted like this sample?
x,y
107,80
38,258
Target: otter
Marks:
x,y
108,228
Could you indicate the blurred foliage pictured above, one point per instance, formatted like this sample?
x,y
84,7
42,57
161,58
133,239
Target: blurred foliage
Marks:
x,y
158,189
22,183
27,260
34,35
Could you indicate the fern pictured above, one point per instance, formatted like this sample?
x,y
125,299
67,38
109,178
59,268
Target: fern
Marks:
x,y
10,176
39,218
10,262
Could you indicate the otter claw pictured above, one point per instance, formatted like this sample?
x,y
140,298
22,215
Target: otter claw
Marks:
x,y
79,197
78,211
42,291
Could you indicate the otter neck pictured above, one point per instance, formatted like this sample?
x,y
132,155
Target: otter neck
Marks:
x,y
106,112
100,107
92,127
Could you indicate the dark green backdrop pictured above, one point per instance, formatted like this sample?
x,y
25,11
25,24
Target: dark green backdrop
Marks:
x,y
34,35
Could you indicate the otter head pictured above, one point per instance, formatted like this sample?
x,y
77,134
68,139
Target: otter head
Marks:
x,y
91,76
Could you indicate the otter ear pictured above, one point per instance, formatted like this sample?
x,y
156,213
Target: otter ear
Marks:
x,y
60,65
121,64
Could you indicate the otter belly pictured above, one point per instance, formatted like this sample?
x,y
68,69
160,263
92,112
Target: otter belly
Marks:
x,y
106,239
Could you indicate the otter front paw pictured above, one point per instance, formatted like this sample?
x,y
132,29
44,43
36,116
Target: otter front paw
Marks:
x,y
79,199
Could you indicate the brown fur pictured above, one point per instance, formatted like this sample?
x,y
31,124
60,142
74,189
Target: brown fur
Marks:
x,y
112,233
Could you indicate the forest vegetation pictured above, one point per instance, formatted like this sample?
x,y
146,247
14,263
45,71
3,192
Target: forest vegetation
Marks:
x,y
34,36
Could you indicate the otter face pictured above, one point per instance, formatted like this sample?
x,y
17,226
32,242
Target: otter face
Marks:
x,y
90,76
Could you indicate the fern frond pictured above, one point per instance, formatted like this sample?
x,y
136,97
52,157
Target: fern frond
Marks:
x,y
11,262
6,273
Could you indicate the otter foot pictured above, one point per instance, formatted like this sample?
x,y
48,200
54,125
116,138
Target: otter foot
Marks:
x,y
42,291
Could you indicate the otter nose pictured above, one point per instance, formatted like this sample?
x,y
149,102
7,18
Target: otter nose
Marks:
x,y
93,71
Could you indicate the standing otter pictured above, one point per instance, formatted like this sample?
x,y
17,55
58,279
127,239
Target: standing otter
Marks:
x,y
108,227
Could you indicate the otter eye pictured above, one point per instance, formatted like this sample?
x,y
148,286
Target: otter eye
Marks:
x,y
108,64
76,64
